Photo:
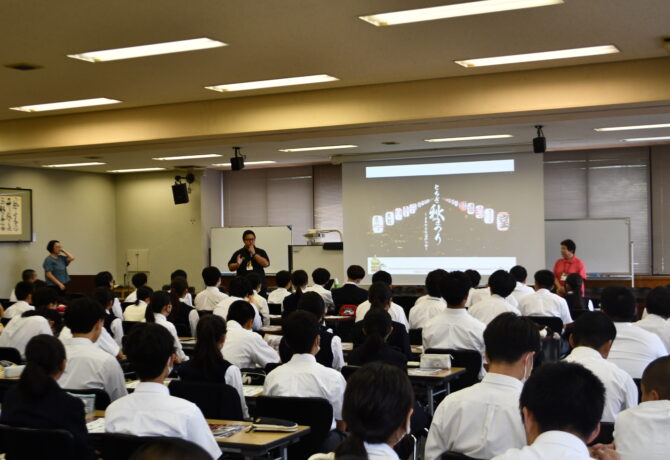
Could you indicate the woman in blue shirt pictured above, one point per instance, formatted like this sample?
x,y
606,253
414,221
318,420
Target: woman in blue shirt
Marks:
x,y
55,265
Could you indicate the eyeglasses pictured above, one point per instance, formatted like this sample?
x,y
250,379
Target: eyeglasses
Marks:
x,y
250,239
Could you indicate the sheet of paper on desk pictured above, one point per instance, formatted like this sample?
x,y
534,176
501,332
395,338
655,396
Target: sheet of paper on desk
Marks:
x,y
96,426
225,431
273,340
423,372
252,390
267,329
187,342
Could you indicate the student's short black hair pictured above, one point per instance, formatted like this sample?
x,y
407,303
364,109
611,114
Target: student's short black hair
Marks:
x,y
564,396
384,277
254,279
143,293
178,272
299,278
508,336
300,330
313,303
658,301
240,287
103,279
23,289
102,295
240,311
379,294
545,279
519,273
282,278
593,329
82,314
170,449
51,244
455,287
355,272
320,276
433,280
27,274
569,245
211,275
618,302
474,276
139,279
44,296
248,232
656,376
501,283
148,347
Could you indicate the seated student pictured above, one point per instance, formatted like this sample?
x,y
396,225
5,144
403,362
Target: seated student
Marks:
x,y
239,289
350,293
658,312
24,295
431,305
208,364
330,351
188,299
483,421
377,327
88,367
113,325
574,289
257,299
243,347
302,375
320,277
21,329
208,298
150,410
139,279
157,311
634,348
591,339
476,292
299,281
501,285
137,311
642,432
28,275
283,280
543,302
182,315
561,405
396,311
520,275
377,408
38,402
381,297
106,280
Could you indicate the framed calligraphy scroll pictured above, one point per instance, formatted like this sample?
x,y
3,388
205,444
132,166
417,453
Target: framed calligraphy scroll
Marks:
x,y
16,215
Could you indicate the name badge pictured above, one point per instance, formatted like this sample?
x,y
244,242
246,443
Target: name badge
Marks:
x,y
564,276
250,266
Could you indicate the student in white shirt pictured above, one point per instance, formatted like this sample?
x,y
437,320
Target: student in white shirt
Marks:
x,y
150,410
243,347
520,274
320,277
157,311
397,312
239,289
592,340
431,305
543,302
208,298
634,348
106,280
113,330
28,275
561,405
88,367
137,310
658,312
21,329
377,409
501,285
483,420
283,280
257,299
642,432
24,296
478,294
188,299
138,280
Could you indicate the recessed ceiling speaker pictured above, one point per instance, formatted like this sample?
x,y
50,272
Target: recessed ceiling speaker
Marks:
x,y
180,193
237,162
539,142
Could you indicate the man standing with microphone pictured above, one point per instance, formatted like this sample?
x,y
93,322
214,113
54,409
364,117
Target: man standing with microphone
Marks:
x,y
250,259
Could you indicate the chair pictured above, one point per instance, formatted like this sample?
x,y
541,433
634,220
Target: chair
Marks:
x,y
202,313
215,400
552,322
406,302
30,443
471,360
116,446
5,385
10,354
415,337
275,308
317,413
183,330
606,435
269,367
102,399
129,325
455,456
347,371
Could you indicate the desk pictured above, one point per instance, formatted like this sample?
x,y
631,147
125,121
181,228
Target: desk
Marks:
x,y
432,378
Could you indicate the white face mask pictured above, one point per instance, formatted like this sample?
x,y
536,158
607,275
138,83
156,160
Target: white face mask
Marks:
x,y
527,370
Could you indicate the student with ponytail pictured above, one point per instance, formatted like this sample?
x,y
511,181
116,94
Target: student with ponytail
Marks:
x,y
299,281
137,310
181,311
377,327
157,311
38,402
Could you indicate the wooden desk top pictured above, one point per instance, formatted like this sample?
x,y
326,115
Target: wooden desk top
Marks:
x,y
348,346
435,374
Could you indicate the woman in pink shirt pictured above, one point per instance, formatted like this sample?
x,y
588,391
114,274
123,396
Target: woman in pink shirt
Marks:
x,y
567,264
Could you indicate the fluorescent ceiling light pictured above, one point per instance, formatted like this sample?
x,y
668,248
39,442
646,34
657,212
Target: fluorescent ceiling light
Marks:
x,y
248,163
73,165
130,52
541,56
188,157
470,138
273,83
648,139
325,147
440,169
135,170
453,11
626,128
65,105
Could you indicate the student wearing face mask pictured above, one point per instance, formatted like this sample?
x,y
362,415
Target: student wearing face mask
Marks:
x,y
157,311
483,421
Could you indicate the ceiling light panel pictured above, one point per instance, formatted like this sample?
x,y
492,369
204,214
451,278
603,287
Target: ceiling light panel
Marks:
x,y
648,139
74,165
631,128
293,81
135,170
324,147
155,49
65,105
187,157
541,56
471,138
246,163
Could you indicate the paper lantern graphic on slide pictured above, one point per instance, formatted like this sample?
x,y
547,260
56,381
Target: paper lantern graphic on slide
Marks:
x,y
398,214
471,208
503,221
479,211
389,218
489,216
377,224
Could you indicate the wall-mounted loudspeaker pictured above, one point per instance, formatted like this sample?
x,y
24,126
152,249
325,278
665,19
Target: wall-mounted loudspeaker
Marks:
x,y
180,193
237,163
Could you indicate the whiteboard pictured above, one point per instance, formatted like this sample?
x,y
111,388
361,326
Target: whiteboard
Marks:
x,y
602,244
310,257
276,241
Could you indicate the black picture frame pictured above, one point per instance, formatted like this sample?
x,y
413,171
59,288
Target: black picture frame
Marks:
x,y
16,215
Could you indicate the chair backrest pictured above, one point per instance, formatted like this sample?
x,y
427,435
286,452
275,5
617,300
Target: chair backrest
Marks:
x,y
202,313
606,435
5,385
415,336
552,322
471,360
10,354
215,400
30,443
269,367
275,308
183,330
129,325
102,399
116,446
347,371
455,456
317,413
